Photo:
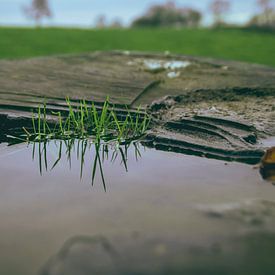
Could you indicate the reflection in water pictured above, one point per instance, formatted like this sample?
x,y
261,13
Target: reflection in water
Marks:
x,y
155,207
88,255
81,148
267,168
268,173
99,152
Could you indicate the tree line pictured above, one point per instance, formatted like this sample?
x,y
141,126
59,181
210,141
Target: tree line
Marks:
x,y
169,15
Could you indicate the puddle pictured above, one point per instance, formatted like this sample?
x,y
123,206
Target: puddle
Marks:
x,y
153,65
138,210
173,65
156,66
173,74
152,202
267,143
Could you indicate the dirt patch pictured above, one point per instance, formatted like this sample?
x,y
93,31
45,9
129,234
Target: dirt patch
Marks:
x,y
200,106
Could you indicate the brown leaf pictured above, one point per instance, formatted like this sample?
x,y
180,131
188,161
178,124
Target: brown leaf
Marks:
x,y
269,157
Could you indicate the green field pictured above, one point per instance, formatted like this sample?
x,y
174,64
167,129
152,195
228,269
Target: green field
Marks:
x,y
235,44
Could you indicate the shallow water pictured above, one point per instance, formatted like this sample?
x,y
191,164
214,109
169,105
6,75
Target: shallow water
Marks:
x,y
269,142
156,65
186,203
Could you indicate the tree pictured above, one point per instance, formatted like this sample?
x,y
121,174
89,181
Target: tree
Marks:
x,y
100,22
219,8
266,9
37,10
266,17
116,24
168,15
264,4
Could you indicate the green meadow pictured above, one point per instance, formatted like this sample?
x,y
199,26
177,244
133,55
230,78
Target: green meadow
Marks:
x,y
234,44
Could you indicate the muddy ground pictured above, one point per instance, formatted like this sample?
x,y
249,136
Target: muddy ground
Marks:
x,y
209,108
200,106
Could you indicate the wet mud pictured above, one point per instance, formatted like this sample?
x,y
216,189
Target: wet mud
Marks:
x,y
209,108
178,211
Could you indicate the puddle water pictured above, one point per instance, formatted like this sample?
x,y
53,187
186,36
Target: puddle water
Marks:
x,y
173,74
269,142
176,64
187,203
159,65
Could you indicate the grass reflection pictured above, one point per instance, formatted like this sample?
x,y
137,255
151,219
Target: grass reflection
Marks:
x,y
99,153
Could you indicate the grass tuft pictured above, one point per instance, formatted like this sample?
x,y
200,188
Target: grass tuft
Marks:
x,y
83,121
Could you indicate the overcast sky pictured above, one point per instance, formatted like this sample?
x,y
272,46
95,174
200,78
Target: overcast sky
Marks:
x,y
84,12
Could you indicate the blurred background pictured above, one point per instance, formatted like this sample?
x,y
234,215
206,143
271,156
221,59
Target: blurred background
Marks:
x,y
226,29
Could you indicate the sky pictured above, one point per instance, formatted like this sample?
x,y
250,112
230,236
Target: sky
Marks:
x,y
83,13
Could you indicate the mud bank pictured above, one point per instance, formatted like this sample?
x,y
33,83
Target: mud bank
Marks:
x,y
186,207
200,106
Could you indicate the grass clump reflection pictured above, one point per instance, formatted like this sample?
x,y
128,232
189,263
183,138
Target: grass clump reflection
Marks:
x,y
81,149
105,131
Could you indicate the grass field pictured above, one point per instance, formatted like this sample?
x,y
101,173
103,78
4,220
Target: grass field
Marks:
x,y
243,45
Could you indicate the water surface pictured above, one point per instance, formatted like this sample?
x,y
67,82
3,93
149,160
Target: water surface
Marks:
x,y
187,203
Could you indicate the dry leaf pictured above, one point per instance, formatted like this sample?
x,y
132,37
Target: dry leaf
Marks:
x,y
269,157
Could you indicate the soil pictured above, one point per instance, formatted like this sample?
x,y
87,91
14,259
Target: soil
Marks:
x,y
170,213
179,91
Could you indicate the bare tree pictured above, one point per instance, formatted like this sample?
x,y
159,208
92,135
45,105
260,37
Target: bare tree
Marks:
x,y
266,17
219,8
116,24
266,9
264,4
37,10
100,22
